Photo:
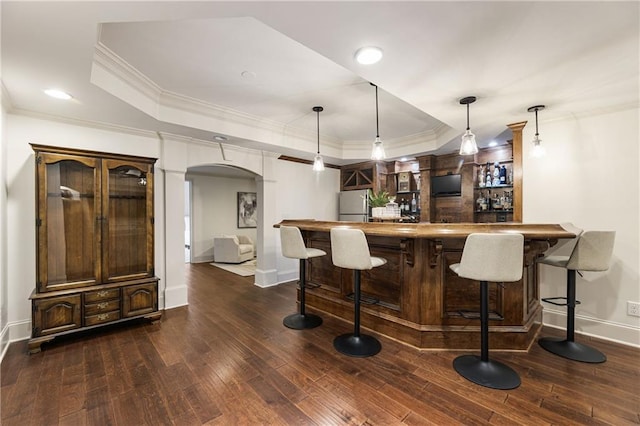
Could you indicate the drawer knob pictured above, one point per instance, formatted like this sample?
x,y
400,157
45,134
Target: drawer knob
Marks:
x,y
103,293
102,317
102,305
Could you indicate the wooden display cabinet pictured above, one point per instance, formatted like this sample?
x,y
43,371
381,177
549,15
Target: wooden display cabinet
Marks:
x,y
94,219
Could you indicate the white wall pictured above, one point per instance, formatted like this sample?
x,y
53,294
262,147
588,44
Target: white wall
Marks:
x,y
4,284
589,177
304,194
214,212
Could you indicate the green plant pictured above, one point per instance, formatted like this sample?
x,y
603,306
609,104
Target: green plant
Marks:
x,y
378,199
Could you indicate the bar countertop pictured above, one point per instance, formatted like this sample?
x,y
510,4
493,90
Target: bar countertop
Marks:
x,y
435,230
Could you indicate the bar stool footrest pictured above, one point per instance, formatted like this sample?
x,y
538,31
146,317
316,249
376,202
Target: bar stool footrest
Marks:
x,y
493,316
572,350
367,300
551,300
302,322
490,374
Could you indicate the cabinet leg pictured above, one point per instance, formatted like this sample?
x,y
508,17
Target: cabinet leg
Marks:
x,y
34,344
154,317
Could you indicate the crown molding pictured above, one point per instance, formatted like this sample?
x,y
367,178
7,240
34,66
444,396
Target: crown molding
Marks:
x,y
166,101
118,67
98,125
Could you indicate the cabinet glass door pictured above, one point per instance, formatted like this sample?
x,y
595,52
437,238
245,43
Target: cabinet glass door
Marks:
x,y
68,226
128,229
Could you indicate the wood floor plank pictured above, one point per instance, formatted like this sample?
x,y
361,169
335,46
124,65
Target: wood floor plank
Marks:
x,y
226,359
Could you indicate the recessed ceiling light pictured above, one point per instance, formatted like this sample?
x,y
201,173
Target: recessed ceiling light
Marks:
x,y
58,94
220,138
248,74
368,55
493,143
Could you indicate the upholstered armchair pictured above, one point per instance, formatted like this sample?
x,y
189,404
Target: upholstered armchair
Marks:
x,y
232,249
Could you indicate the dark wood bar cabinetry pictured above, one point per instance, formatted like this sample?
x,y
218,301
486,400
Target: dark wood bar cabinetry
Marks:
x,y
94,263
415,298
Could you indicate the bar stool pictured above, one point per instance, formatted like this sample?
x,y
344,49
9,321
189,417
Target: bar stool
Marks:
x,y
495,258
592,253
350,250
293,247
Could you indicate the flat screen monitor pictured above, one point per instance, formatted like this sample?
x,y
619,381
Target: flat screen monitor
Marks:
x,y
446,186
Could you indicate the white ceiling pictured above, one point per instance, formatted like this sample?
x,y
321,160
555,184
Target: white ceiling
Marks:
x,y
177,67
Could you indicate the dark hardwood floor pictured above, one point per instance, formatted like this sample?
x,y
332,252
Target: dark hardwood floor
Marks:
x,y
226,359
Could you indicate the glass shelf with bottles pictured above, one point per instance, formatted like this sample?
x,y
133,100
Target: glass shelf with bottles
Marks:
x,y
488,202
494,175
409,206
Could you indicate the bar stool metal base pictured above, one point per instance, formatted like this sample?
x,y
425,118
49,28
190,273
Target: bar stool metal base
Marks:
x,y
491,374
572,350
302,322
357,346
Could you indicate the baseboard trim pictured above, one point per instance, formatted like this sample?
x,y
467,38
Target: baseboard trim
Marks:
x,y
605,330
266,278
14,332
175,297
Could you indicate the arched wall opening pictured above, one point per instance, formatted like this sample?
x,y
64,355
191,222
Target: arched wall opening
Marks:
x,y
180,156
214,209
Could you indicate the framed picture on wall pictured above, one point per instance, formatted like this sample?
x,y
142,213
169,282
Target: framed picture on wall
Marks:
x,y
247,210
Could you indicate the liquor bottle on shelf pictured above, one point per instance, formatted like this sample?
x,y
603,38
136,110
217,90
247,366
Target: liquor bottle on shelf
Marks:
x,y
413,204
496,174
495,203
480,202
503,175
488,181
481,177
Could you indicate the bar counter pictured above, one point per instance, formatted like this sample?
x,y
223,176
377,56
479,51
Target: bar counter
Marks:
x,y
415,298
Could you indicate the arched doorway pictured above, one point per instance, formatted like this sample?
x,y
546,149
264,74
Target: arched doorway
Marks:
x,y
213,206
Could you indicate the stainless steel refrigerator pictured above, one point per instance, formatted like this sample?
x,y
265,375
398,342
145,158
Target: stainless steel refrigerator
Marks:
x,y
354,206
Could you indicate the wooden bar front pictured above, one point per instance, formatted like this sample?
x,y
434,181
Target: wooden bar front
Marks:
x,y
415,298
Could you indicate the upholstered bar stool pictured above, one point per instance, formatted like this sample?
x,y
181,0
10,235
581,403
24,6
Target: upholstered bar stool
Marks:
x,y
293,247
495,258
350,250
592,253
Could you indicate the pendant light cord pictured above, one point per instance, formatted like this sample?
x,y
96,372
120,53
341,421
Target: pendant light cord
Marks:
x,y
377,129
537,122
468,117
318,117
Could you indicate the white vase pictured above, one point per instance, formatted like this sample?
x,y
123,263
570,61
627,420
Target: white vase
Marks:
x,y
377,211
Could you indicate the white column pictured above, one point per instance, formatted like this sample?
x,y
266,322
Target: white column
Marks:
x,y
171,226
266,269
175,293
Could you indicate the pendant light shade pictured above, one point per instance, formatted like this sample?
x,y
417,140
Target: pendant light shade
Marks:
x,y
537,150
468,145
378,150
318,164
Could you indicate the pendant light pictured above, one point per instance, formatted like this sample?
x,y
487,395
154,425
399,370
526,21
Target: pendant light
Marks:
x,y
318,164
468,145
537,150
378,150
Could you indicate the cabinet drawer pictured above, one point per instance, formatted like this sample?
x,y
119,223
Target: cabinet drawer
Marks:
x,y
101,295
101,318
56,314
101,307
139,299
